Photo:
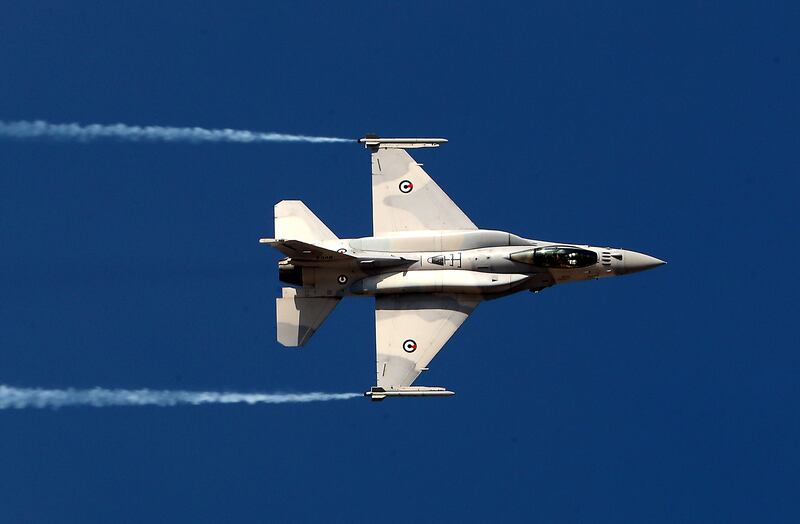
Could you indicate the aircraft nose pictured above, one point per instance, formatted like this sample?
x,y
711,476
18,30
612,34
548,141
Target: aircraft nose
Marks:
x,y
633,262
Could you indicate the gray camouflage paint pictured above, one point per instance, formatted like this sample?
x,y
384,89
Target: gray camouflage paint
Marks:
x,y
427,265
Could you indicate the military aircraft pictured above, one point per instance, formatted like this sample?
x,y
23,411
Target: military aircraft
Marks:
x,y
427,265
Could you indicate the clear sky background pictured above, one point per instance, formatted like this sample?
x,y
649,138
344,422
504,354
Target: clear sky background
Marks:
x,y
666,396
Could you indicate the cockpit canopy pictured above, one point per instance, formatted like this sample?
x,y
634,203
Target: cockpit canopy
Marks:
x,y
560,257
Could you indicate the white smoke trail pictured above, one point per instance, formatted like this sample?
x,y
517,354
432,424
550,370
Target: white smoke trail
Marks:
x,y
39,129
22,398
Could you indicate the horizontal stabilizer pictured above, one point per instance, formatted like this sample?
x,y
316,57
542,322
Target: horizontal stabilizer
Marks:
x,y
294,220
300,317
378,393
376,142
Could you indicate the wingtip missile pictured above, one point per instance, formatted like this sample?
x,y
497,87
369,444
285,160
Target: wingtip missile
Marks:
x,y
376,142
377,393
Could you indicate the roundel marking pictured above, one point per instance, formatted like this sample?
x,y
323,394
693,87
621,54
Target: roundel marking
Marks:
x,y
406,186
341,250
342,279
409,346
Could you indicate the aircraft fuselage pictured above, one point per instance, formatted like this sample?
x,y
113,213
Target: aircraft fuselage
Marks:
x,y
428,267
482,262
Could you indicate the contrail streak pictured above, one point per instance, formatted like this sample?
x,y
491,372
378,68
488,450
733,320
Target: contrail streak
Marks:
x,y
39,129
22,398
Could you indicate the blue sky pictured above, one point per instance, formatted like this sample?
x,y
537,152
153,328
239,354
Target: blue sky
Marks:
x,y
667,396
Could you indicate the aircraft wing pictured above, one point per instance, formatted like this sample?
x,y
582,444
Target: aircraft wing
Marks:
x,y
405,198
411,329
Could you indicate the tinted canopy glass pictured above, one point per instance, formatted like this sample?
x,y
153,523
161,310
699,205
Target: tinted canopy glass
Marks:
x,y
556,257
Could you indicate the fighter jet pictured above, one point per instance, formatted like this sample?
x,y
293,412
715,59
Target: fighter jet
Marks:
x,y
427,265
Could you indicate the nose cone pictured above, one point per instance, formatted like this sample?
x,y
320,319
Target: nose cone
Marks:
x,y
633,262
